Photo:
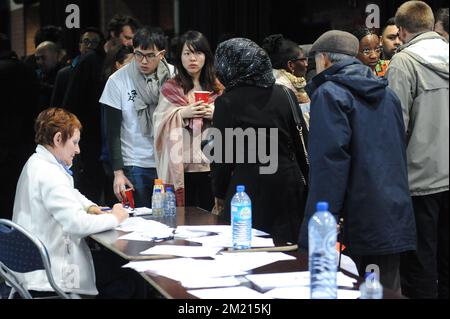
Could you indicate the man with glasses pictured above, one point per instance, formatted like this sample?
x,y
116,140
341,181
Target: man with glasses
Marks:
x,y
130,98
91,39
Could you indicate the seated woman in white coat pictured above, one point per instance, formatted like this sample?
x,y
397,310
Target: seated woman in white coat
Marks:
x,y
48,206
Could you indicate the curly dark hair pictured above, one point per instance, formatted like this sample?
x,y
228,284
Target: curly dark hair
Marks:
x,y
280,50
117,23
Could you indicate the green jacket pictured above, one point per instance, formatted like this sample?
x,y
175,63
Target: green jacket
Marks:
x,y
419,75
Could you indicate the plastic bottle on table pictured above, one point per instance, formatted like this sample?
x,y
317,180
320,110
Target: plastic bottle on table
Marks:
x,y
170,202
158,184
157,203
371,288
322,236
241,219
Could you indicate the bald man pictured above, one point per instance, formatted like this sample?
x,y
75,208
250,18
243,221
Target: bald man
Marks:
x,y
47,59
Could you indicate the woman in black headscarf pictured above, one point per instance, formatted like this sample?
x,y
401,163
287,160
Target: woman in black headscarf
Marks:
x,y
252,102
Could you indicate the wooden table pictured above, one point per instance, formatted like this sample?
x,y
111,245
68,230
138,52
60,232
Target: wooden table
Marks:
x,y
171,289
130,250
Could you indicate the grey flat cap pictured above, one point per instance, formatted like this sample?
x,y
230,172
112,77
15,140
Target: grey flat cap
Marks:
x,y
336,41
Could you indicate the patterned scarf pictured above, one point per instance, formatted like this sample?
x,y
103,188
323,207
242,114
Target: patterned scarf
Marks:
x,y
240,61
147,88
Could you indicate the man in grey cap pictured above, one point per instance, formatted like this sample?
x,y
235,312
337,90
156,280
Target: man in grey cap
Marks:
x,y
358,159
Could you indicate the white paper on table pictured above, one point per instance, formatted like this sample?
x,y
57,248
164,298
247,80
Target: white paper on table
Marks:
x,y
349,265
251,260
223,240
298,278
303,292
138,211
142,225
182,251
209,282
189,234
148,236
186,269
156,265
228,293
220,229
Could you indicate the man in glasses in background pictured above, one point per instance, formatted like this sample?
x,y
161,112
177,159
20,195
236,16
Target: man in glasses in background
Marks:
x,y
130,98
91,39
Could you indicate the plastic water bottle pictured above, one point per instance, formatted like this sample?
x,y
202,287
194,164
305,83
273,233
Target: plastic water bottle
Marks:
x,y
241,219
371,288
322,236
170,203
157,203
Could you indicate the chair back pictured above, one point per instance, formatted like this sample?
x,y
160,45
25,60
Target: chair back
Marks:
x,y
22,252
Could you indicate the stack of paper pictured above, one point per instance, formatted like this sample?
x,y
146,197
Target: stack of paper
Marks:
x,y
289,279
144,230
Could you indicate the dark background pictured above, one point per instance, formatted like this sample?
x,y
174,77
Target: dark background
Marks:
x,y
301,21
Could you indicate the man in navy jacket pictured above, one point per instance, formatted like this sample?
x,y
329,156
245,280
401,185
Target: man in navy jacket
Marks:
x,y
357,158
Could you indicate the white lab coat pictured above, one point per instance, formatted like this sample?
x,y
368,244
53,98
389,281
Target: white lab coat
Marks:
x,y
48,206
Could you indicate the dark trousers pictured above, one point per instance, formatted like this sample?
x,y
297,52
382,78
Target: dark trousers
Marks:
x,y
143,180
198,189
388,265
114,282
425,271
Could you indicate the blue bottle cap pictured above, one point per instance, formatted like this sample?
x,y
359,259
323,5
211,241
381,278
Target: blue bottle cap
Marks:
x,y
322,206
169,189
240,188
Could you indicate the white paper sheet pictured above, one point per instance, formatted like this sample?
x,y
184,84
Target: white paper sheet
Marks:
x,y
208,282
186,269
220,229
182,251
224,240
149,236
139,211
304,293
349,265
289,279
142,225
228,293
251,260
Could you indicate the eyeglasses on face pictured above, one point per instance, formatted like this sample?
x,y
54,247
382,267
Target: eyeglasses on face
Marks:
x,y
149,56
368,51
88,42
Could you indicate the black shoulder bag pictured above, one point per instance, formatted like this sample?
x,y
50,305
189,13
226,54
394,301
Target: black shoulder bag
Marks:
x,y
301,128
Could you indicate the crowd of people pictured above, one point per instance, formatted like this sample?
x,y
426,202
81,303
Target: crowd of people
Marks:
x,y
371,137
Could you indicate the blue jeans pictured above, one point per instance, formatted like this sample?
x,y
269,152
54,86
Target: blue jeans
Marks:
x,y
143,180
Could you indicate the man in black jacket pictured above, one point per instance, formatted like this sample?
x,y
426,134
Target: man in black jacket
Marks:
x,y
358,158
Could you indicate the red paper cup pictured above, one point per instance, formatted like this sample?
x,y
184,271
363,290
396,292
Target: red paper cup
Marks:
x,y
201,96
129,197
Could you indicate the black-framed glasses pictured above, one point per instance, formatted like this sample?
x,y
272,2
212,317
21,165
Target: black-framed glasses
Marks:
x,y
88,42
368,51
149,56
